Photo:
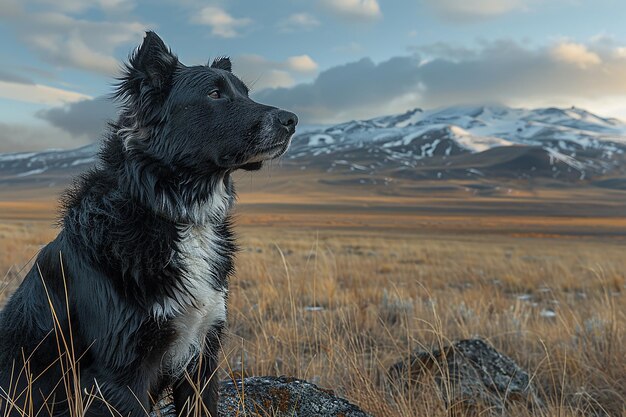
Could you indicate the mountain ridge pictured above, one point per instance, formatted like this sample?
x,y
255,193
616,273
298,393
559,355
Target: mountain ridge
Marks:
x,y
464,141
575,142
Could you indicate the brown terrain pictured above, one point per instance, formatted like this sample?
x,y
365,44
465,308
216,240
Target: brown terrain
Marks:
x,y
338,280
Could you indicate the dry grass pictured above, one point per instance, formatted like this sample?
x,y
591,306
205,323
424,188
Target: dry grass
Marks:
x,y
338,307
19,243
381,297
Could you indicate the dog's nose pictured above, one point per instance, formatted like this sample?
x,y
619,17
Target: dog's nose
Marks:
x,y
287,119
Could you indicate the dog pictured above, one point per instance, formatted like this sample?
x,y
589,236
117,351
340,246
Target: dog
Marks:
x,y
130,298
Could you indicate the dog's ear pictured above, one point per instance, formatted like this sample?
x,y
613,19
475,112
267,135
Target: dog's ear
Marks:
x,y
154,61
148,74
222,63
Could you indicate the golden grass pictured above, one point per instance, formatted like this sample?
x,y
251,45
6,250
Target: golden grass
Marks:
x,y
19,244
339,305
382,296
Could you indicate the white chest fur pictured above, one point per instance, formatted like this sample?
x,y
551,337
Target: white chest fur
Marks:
x,y
194,311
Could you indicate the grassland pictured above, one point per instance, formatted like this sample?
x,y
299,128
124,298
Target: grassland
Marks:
x,y
336,284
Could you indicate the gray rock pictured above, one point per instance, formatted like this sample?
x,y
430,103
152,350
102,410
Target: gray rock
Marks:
x,y
271,396
471,376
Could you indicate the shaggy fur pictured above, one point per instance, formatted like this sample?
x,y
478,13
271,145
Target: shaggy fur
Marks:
x,y
133,290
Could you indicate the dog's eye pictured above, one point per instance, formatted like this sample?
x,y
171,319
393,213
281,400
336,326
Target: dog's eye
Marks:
x,y
215,94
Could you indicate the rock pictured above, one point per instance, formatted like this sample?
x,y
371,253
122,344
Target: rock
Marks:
x,y
472,377
276,397
282,396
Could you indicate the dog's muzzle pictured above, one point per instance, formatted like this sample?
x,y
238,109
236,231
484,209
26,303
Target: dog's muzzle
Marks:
x,y
278,128
286,120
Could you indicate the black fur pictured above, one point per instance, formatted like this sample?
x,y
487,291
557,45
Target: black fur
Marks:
x,y
118,276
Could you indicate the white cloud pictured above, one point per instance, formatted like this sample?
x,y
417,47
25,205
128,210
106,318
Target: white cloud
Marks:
x,y
620,52
459,10
262,73
37,93
72,50
222,24
576,53
301,63
65,41
354,9
299,21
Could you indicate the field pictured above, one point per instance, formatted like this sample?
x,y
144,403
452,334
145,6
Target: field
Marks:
x,y
335,283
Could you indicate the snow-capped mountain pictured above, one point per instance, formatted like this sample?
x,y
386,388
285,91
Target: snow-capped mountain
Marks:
x,y
454,142
46,168
471,140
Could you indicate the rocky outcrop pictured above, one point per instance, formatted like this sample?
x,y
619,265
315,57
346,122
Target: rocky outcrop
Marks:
x,y
472,377
271,396
282,396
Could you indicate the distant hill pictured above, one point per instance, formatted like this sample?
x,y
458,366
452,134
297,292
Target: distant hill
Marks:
x,y
470,141
456,142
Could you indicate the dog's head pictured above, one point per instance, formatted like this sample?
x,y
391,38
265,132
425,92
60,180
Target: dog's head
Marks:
x,y
197,117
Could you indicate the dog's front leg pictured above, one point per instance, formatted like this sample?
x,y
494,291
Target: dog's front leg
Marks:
x,y
109,396
196,392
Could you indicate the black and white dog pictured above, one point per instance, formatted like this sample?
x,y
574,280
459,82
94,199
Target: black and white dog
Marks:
x,y
131,296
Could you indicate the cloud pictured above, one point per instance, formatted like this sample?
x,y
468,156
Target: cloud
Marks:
x,y
576,53
354,9
19,138
510,72
222,24
463,11
443,50
14,78
37,93
620,52
77,6
301,63
262,73
39,72
83,119
298,21
357,89
66,41
500,71
9,7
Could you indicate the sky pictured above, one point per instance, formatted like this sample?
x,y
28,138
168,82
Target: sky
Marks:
x,y
327,60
